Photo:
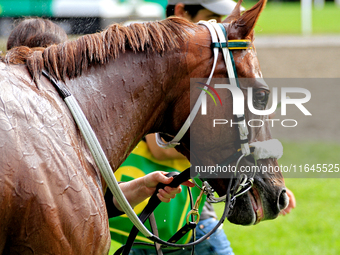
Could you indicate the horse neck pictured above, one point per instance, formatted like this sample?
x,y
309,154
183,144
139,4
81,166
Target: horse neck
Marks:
x,y
126,98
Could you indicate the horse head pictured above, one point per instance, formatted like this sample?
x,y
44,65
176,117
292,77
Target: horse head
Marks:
x,y
212,144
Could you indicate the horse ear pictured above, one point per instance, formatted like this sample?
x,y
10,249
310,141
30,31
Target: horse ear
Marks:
x,y
247,21
235,14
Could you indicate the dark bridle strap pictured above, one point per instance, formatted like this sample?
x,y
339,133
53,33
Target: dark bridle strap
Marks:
x,y
61,89
153,203
182,232
154,230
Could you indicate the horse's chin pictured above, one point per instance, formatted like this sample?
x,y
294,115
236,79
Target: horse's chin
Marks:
x,y
248,209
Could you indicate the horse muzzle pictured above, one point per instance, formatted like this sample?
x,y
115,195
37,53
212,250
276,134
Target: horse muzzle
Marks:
x,y
267,197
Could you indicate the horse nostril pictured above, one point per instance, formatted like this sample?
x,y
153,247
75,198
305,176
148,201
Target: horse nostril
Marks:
x,y
283,200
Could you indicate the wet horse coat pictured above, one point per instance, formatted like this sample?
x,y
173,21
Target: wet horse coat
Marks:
x,y
129,81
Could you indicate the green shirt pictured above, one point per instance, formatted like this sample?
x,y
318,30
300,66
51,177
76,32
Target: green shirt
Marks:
x,y
171,216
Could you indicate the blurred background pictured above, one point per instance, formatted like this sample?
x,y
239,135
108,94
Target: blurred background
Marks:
x,y
294,40
80,16
88,16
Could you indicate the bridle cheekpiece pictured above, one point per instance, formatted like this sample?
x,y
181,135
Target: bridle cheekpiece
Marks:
x,y
219,41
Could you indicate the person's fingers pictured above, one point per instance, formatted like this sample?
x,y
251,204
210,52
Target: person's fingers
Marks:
x,y
173,190
163,199
285,211
188,183
168,194
165,196
169,180
151,180
292,201
160,177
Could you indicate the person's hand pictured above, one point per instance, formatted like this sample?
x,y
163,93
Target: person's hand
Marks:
x,y
165,195
292,203
137,190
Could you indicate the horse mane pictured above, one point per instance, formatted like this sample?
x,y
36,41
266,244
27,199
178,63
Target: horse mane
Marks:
x,y
72,58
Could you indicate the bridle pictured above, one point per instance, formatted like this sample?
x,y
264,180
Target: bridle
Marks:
x,y
242,184
219,41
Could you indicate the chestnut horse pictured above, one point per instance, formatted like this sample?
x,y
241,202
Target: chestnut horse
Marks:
x,y
129,81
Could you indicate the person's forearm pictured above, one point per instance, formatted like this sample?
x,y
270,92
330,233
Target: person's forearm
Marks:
x,y
135,192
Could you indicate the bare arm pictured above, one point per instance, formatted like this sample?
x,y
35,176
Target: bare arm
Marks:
x,y
137,190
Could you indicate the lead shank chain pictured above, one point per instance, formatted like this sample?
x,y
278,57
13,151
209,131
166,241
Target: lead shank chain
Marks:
x,y
194,211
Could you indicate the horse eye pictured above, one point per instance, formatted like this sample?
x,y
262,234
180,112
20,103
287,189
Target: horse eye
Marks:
x,y
260,99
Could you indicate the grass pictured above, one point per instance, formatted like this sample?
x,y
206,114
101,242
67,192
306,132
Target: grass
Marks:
x,y
285,18
313,227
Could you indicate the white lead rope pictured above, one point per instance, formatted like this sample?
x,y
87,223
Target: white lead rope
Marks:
x,y
103,164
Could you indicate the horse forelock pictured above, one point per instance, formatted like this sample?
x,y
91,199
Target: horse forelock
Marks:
x,y
72,58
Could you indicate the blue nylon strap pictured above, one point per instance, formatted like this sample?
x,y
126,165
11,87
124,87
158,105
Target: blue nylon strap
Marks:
x,y
241,45
219,45
224,31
